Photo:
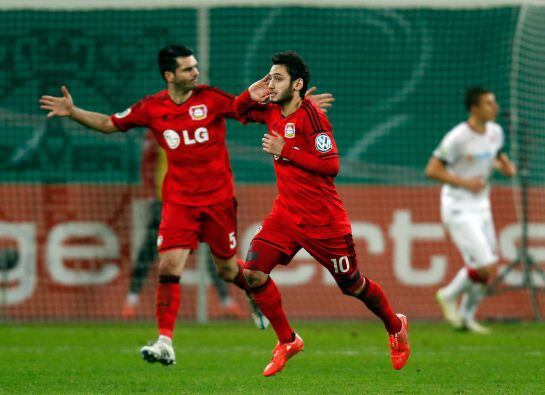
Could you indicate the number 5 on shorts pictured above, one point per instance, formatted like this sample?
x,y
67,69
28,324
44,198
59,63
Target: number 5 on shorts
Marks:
x,y
232,241
342,265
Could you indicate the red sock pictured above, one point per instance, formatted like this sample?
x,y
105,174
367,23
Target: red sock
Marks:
x,y
167,304
239,280
269,301
376,301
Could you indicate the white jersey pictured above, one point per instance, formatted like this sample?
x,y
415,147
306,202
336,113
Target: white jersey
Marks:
x,y
469,154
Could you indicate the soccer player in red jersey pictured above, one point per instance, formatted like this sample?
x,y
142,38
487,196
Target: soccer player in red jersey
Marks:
x,y
188,122
308,212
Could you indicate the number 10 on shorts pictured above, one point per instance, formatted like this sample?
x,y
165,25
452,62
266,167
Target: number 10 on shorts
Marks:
x,y
342,265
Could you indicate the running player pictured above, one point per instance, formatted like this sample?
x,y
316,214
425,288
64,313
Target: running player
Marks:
x,y
308,212
463,162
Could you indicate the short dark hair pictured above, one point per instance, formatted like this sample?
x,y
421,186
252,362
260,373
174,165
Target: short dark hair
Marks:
x,y
296,67
473,96
167,57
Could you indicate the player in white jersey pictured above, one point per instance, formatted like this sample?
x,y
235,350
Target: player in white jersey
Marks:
x,y
464,162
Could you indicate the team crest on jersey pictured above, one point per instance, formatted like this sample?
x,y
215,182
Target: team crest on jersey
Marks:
x,y
323,143
123,114
198,112
172,138
289,130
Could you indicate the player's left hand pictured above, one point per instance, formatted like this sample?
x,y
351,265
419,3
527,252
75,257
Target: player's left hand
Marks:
x,y
273,144
322,100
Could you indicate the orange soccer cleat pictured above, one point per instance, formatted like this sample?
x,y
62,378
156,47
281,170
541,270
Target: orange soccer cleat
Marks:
x,y
399,344
128,312
281,354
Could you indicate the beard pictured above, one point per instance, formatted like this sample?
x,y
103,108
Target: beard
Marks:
x,y
185,86
286,96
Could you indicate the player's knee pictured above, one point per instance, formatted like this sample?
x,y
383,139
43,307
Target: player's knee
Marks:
x,y
168,266
480,275
227,272
255,278
352,284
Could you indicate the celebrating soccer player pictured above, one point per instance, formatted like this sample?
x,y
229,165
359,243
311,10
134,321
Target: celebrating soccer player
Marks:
x,y
463,162
188,122
308,212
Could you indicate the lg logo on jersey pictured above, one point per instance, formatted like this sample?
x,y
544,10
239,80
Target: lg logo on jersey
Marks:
x,y
173,139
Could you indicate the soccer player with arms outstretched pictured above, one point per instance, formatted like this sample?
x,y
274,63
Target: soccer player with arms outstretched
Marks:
x,y
308,212
188,122
463,162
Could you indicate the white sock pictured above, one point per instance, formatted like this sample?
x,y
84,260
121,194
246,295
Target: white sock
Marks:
x,y
165,339
132,299
471,300
459,284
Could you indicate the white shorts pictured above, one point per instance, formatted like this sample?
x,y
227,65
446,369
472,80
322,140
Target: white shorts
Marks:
x,y
473,233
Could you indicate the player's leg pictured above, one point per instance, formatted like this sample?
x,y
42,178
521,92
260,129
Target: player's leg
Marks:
x,y
460,228
178,236
229,307
469,234
219,231
473,297
272,246
167,304
338,256
262,258
480,272
145,258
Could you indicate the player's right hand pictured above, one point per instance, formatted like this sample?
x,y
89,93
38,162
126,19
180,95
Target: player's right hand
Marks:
x,y
59,106
475,184
259,90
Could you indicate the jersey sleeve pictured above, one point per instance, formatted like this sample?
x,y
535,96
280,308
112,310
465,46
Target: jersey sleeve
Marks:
x,y
449,149
134,116
224,102
323,157
249,111
320,133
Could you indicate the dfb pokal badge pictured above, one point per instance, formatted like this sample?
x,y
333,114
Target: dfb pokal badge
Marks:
x,y
289,130
198,112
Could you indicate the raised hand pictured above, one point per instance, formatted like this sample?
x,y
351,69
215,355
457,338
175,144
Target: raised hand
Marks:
x,y
259,90
59,106
322,100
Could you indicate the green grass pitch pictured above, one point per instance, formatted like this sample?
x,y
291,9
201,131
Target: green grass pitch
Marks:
x,y
341,358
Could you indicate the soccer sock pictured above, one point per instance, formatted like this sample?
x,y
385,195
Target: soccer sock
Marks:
x,y
376,301
471,300
459,284
167,303
132,299
239,280
269,301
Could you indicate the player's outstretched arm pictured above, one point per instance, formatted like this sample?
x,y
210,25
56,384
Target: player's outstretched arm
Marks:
x,y
64,107
322,100
436,170
504,164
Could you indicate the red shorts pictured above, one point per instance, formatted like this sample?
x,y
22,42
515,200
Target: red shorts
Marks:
x,y
278,241
184,226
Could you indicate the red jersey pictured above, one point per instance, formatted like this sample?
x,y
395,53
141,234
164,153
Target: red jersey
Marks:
x,y
193,137
305,168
